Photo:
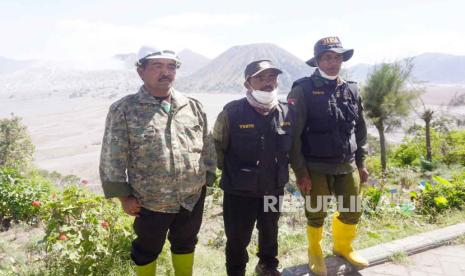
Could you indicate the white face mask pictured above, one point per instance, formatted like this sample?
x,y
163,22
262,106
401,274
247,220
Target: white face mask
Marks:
x,y
265,97
326,76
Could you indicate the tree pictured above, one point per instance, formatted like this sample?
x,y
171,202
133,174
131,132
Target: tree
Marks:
x,y
387,98
16,148
440,123
426,114
427,117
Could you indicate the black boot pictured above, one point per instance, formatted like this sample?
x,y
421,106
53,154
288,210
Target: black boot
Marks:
x,y
263,270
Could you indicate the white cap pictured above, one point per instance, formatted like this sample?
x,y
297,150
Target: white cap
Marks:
x,y
149,52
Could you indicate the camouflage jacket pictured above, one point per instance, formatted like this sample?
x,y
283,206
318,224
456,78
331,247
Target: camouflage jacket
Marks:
x,y
160,158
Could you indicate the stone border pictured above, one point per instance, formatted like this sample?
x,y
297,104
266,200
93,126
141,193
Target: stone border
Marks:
x,y
383,252
414,244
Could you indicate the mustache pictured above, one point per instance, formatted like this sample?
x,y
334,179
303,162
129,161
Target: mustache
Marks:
x,y
267,87
165,78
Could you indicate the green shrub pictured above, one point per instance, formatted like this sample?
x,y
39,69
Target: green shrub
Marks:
x,y
16,148
446,147
372,197
85,234
373,165
21,198
428,165
440,195
408,153
454,148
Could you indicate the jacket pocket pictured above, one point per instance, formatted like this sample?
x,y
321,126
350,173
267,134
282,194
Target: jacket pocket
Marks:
x,y
283,140
194,137
323,144
245,179
244,146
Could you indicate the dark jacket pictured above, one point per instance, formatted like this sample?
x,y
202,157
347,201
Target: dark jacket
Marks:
x,y
330,126
253,149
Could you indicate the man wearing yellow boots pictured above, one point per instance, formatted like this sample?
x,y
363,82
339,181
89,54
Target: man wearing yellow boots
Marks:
x,y
329,151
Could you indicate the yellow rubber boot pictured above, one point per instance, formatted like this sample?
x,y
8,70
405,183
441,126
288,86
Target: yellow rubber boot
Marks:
x,y
183,264
147,270
316,261
343,235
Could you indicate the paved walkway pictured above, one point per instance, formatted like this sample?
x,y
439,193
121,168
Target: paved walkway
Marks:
x,y
423,254
445,260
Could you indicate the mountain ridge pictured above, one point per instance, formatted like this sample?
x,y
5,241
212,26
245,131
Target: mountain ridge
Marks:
x,y
223,74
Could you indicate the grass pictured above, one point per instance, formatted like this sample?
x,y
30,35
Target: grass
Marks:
x,y
394,225
400,258
387,225
16,247
459,241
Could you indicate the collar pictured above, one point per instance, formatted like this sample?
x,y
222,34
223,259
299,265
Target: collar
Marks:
x,y
177,99
320,81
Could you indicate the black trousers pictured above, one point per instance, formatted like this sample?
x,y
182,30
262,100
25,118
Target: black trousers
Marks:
x,y
151,229
240,214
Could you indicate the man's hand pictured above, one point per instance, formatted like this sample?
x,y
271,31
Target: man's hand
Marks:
x,y
363,173
305,184
130,205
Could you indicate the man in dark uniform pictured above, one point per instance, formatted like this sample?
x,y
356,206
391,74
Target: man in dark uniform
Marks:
x,y
329,150
252,139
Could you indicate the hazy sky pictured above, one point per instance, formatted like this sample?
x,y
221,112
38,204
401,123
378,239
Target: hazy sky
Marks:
x,y
92,29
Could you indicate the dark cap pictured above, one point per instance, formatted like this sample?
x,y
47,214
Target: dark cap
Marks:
x,y
254,68
332,44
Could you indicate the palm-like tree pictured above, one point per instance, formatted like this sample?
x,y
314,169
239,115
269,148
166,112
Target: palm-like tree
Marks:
x,y
387,97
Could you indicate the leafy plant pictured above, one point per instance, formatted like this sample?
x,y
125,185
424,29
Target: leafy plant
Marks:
x,y
446,147
16,147
400,257
84,233
21,198
372,198
442,195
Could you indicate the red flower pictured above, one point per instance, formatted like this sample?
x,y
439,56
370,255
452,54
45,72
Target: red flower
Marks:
x,y
62,237
104,224
36,203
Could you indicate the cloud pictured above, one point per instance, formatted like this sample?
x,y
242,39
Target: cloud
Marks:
x,y
301,44
412,41
375,47
373,38
84,39
197,20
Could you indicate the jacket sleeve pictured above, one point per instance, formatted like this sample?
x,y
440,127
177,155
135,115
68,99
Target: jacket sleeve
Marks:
x,y
208,150
297,160
360,136
114,155
221,137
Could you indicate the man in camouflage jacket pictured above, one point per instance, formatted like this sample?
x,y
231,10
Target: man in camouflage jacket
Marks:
x,y
156,159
